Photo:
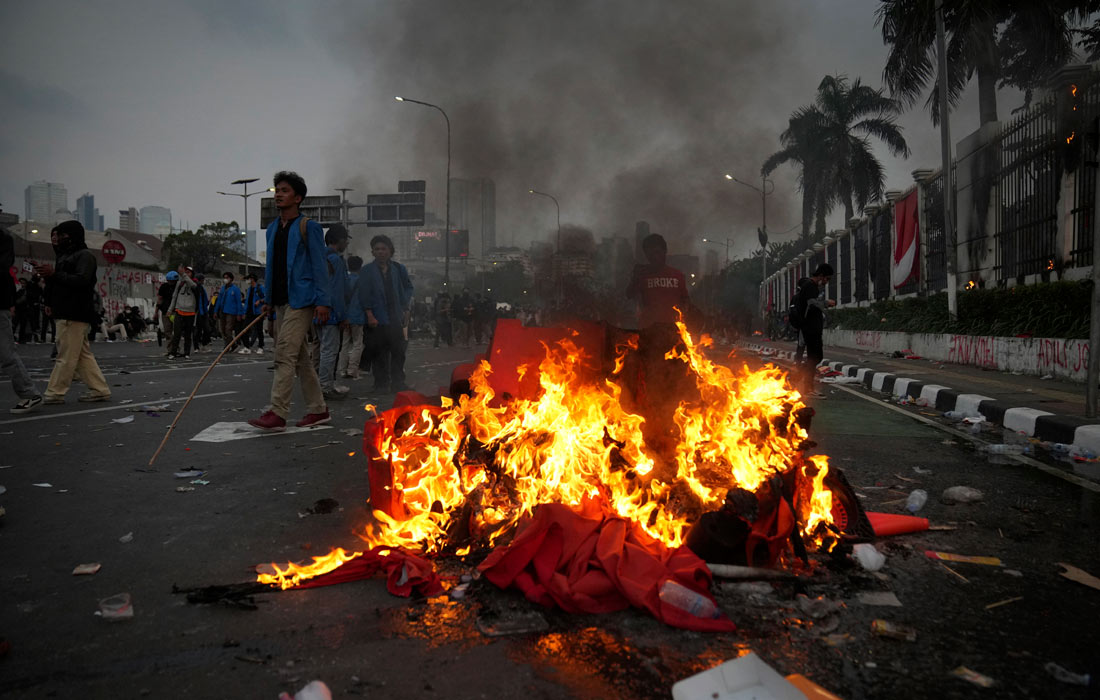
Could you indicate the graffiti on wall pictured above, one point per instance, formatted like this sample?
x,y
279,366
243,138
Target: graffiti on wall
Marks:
x,y
872,340
977,350
1055,353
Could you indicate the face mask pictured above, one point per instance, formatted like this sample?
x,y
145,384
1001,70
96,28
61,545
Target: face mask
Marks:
x,y
226,280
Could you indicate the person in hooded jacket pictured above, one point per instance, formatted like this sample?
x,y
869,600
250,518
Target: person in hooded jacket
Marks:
x,y
70,287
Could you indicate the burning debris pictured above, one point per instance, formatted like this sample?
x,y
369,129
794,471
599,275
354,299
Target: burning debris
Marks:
x,y
726,475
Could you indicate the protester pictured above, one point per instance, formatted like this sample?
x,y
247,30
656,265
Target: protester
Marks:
x,y
229,309
10,362
462,312
443,320
182,310
27,310
116,329
295,282
253,307
164,298
70,287
202,315
808,311
386,292
351,340
336,240
485,314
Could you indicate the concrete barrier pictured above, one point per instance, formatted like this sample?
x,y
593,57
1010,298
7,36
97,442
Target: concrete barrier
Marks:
x,y
1059,357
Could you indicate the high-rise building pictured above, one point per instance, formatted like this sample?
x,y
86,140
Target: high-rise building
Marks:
x,y
474,209
156,221
99,221
86,213
44,200
129,220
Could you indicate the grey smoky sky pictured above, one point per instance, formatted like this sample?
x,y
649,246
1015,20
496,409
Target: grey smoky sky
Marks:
x,y
624,110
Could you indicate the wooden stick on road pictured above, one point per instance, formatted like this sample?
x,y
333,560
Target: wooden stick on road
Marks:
x,y
203,377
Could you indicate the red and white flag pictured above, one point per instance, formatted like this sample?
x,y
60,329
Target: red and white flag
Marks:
x,y
906,241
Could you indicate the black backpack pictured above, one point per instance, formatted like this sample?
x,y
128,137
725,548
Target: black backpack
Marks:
x,y
796,312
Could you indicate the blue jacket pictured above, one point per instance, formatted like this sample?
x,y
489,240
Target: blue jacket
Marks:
x,y
357,316
259,298
203,300
337,271
373,296
230,302
307,274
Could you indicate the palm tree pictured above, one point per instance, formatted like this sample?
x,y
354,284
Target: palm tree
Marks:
x,y
1004,42
831,140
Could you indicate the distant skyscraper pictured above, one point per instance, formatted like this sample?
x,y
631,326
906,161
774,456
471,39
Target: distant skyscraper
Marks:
x,y
128,219
99,221
86,211
473,209
156,221
44,200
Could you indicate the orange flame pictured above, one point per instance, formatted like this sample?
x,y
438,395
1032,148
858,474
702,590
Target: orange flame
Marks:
x,y
1072,136
467,473
1073,90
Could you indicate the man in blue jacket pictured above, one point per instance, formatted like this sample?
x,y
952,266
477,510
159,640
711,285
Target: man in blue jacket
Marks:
x,y
336,239
386,293
351,340
254,299
229,309
297,289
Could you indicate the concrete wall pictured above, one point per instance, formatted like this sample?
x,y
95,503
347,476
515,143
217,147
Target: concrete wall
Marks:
x,y
1062,358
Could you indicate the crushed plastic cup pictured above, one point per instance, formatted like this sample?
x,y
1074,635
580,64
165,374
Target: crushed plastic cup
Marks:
x,y
917,499
868,557
117,607
961,494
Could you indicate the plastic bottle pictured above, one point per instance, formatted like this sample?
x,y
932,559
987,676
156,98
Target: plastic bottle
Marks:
x,y
1066,676
917,499
1061,447
688,600
1004,449
955,415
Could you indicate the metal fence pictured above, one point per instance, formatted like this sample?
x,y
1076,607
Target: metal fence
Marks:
x,y
935,254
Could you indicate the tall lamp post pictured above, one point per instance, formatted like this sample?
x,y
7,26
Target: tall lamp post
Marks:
x,y
246,182
447,216
764,192
728,241
557,207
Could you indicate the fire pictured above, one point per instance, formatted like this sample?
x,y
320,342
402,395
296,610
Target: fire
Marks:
x,y
469,471
1072,135
293,574
1073,90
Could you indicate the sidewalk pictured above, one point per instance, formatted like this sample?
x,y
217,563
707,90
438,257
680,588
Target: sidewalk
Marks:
x,y
1049,410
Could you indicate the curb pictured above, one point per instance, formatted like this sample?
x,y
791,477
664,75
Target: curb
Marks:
x,y
1042,425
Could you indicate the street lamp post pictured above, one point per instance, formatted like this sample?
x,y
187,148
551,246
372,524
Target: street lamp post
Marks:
x,y
557,208
728,241
244,197
764,192
447,216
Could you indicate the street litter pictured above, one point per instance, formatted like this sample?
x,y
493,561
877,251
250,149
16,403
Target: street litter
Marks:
x,y
1006,601
200,482
879,598
117,607
86,569
184,489
868,557
314,690
916,500
44,485
1067,676
744,677
918,470
1075,574
1005,449
890,630
961,494
840,380
817,608
351,431
747,573
1047,376
967,559
520,622
128,537
189,474
3,490
127,419
973,677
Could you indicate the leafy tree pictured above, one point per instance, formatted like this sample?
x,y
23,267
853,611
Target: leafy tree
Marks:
x,y
831,140
205,248
1014,43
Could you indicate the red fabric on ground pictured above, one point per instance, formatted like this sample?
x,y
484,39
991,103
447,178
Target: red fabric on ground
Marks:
x,y
885,524
404,572
592,562
770,534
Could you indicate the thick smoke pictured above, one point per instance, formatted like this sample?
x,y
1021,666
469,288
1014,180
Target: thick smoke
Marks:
x,y
625,111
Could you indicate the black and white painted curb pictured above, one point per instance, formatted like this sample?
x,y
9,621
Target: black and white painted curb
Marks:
x,y
1083,434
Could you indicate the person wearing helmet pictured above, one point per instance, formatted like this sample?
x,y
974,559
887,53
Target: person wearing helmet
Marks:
x,y
164,298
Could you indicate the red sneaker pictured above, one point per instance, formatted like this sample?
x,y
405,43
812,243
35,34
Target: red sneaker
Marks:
x,y
269,421
312,419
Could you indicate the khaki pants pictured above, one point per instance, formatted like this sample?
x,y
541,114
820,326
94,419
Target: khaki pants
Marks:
x,y
292,357
75,360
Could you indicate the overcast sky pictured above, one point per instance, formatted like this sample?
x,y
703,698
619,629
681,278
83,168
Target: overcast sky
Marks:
x,y
624,109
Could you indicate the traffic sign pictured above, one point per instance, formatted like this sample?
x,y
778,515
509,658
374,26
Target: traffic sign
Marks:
x,y
114,252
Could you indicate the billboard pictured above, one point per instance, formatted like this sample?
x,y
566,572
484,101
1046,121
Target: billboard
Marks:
x,y
429,244
325,209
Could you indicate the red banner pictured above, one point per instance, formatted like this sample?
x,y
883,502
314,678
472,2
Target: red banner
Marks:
x,y
906,241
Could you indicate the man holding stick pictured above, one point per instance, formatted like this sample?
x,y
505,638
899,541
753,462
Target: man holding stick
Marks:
x,y
296,283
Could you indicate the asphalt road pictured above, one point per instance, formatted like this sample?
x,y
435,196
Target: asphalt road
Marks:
x,y
364,642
